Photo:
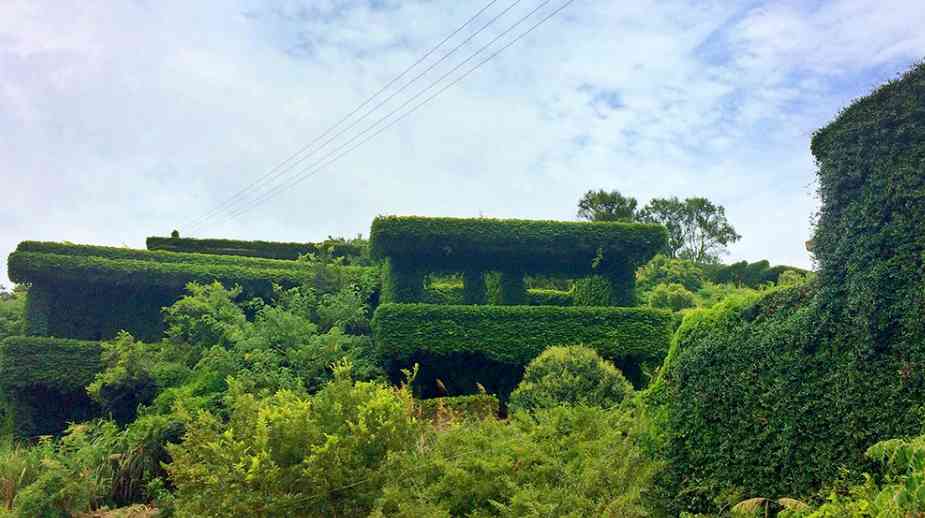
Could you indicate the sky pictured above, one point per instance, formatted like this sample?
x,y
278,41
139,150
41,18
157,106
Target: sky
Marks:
x,y
120,120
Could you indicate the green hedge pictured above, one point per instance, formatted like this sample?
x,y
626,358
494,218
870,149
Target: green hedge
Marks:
x,y
773,396
267,249
89,292
43,381
517,334
158,256
39,267
870,237
467,346
475,406
533,247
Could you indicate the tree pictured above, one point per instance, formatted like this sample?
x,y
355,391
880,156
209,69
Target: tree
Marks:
x,y
697,228
607,206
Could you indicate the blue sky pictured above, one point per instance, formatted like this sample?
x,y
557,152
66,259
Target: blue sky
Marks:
x,y
122,120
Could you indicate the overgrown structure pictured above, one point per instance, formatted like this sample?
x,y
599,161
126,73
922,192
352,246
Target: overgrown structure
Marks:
x,y
93,292
415,246
772,395
475,342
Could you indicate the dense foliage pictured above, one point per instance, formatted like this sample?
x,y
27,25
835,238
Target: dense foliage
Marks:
x,y
898,490
517,334
571,375
697,228
12,311
449,408
94,292
289,455
351,251
42,383
565,461
869,240
554,247
781,393
601,205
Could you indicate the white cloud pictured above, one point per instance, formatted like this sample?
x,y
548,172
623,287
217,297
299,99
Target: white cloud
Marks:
x,y
121,121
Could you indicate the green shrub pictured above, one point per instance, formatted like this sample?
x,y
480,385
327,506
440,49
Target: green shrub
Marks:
x,y
666,270
476,406
565,461
94,464
569,376
290,455
206,316
869,239
75,474
672,296
12,312
763,399
752,275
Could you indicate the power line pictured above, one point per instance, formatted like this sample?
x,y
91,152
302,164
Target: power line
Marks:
x,y
313,170
379,105
285,163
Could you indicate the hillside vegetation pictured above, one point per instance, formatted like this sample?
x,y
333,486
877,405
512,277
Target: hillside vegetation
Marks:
x,y
475,367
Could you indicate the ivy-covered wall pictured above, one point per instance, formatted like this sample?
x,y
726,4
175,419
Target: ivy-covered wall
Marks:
x,y
489,345
42,383
92,292
416,246
773,395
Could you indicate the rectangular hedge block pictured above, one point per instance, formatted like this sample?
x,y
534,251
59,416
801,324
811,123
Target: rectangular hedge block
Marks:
x,y
57,363
92,292
517,334
267,249
42,383
533,247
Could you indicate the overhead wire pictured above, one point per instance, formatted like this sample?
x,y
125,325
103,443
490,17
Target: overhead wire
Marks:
x,y
311,171
287,164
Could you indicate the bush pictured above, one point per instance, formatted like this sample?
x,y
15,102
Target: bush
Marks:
x,y
672,296
605,290
289,455
569,376
12,312
898,491
752,275
565,461
665,270
476,406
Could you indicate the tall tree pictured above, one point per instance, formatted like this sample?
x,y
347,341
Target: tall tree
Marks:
x,y
607,206
697,228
